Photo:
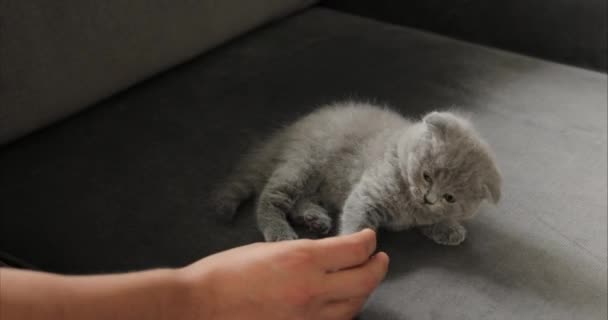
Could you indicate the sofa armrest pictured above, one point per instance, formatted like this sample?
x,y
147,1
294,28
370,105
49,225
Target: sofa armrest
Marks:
x,y
57,57
566,31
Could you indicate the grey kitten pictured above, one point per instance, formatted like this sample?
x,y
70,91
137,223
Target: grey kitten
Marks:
x,y
371,164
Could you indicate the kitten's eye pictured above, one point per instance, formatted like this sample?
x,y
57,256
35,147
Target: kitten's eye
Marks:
x,y
449,198
426,177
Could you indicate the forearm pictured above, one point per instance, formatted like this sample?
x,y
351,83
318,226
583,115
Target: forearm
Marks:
x,y
156,294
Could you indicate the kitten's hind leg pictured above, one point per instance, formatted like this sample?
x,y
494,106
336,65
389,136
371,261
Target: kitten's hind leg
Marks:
x,y
309,213
246,180
447,232
285,186
234,191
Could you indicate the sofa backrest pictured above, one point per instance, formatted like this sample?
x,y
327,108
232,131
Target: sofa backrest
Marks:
x,y
57,57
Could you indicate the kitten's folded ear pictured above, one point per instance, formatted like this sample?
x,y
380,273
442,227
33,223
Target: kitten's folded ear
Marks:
x,y
439,122
492,184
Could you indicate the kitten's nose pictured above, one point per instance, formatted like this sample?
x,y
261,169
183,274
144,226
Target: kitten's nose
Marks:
x,y
429,198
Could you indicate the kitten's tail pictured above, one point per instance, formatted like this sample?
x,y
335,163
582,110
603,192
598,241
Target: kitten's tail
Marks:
x,y
247,180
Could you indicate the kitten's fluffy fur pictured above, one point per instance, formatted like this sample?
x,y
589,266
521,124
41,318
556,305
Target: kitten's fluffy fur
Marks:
x,y
371,164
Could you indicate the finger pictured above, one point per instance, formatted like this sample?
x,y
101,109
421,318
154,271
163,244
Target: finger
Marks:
x,y
357,282
345,251
342,310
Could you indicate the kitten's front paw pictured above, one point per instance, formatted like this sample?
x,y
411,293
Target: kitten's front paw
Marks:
x,y
279,234
446,234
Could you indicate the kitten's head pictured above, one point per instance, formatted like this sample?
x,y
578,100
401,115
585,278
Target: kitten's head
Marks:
x,y
449,168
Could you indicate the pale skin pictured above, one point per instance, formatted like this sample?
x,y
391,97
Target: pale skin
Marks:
x,y
301,279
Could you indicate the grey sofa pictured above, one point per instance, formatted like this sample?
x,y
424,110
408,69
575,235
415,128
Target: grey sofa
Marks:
x,y
122,184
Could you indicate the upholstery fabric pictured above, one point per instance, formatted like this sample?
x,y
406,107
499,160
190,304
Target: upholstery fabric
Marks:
x,y
123,186
566,31
57,57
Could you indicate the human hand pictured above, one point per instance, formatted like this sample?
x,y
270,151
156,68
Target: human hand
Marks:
x,y
301,279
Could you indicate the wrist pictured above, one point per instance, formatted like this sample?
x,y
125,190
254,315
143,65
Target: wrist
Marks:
x,y
172,295
194,294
